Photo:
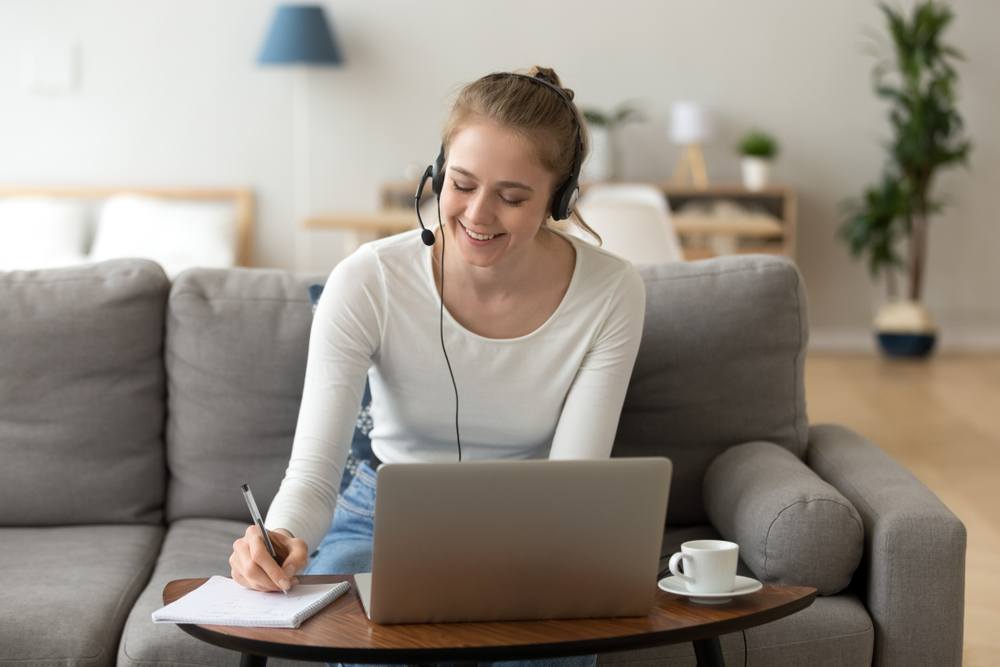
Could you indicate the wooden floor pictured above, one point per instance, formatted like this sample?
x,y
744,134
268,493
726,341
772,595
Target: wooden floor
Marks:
x,y
941,419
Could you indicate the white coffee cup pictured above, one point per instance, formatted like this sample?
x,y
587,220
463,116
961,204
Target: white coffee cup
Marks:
x,y
709,566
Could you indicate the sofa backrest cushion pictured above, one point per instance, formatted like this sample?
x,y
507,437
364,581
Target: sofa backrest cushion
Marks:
x,y
82,394
236,347
720,363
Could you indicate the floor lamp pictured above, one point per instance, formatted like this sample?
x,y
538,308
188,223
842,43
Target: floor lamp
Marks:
x,y
300,36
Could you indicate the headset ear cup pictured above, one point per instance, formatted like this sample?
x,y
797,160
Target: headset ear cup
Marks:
x,y
564,200
574,195
558,199
437,179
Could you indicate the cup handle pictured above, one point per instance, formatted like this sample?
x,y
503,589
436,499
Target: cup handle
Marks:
x,y
675,570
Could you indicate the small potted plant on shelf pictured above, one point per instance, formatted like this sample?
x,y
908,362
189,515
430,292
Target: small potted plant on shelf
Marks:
x,y
605,160
889,222
757,149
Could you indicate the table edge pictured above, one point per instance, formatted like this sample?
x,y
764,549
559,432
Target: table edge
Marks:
x,y
498,652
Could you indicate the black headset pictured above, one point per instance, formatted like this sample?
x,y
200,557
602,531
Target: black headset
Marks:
x,y
563,199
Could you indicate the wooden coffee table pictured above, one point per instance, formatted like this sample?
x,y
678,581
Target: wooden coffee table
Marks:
x,y
342,633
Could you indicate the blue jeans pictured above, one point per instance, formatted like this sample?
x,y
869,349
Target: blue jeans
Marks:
x,y
347,549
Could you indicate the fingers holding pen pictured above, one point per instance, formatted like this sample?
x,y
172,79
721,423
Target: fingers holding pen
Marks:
x,y
252,565
293,553
259,557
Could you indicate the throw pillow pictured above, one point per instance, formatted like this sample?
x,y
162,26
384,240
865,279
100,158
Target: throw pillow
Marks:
x,y
177,234
38,233
361,445
792,527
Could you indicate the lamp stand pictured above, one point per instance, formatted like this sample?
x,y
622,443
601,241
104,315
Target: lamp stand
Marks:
x,y
691,166
301,172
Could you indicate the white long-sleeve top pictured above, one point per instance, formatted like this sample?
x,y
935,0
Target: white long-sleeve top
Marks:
x,y
556,392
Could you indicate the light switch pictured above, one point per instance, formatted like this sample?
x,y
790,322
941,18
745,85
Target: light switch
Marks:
x,y
51,67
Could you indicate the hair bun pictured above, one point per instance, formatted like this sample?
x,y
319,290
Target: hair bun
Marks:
x,y
549,75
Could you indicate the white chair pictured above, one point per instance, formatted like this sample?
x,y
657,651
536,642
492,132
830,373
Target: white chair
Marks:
x,y
633,220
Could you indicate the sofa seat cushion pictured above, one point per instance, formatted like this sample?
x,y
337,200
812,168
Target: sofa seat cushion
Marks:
x,y
192,548
833,631
67,590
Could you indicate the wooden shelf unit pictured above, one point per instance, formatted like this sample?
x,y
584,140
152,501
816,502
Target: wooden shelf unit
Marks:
x,y
702,236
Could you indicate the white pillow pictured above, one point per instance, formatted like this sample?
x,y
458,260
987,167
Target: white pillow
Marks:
x,y
177,234
37,232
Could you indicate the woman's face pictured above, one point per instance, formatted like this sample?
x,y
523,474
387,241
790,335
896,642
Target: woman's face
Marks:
x,y
495,188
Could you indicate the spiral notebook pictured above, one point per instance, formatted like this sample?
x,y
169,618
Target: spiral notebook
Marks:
x,y
222,601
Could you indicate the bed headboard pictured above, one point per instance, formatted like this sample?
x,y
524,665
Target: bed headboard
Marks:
x,y
242,200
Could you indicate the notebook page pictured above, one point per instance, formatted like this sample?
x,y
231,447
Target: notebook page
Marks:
x,y
222,601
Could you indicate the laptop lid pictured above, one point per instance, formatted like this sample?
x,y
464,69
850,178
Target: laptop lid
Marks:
x,y
509,540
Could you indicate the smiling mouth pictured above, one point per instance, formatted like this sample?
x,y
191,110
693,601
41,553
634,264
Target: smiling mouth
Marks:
x,y
478,237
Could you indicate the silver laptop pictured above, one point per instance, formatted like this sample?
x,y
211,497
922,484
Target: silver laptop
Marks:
x,y
516,540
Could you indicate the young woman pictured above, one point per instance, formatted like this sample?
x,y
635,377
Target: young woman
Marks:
x,y
540,328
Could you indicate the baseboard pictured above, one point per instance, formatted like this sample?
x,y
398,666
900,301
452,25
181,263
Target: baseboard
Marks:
x,y
833,339
841,340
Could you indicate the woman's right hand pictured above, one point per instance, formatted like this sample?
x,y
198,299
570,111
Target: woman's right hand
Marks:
x,y
252,566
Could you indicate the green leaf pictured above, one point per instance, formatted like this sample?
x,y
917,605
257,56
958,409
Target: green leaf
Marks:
x,y
595,117
626,114
757,143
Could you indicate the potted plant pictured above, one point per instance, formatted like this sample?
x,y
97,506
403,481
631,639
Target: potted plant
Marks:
x,y
757,149
888,225
605,160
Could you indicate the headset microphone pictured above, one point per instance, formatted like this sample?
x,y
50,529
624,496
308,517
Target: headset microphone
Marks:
x,y
427,236
435,172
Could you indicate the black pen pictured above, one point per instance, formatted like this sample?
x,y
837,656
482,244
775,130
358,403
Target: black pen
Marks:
x,y
255,515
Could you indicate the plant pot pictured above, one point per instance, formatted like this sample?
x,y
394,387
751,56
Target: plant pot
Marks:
x,y
755,172
904,329
597,166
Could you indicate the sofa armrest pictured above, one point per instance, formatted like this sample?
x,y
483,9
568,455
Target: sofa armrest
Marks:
x,y
913,571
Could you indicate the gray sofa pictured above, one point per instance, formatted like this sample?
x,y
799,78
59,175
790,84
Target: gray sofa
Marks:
x,y
131,408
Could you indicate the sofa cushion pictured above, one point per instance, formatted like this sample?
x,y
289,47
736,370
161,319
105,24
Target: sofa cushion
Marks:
x,y
192,548
720,363
792,527
235,356
67,591
831,632
82,385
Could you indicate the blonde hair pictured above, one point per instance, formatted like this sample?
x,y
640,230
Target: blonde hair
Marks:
x,y
531,111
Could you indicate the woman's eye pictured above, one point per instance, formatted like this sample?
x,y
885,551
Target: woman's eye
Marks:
x,y
509,202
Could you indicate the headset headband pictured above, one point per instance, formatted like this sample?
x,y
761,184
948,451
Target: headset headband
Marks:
x,y
565,196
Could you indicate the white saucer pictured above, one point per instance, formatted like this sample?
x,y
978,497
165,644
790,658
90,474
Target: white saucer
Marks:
x,y
744,586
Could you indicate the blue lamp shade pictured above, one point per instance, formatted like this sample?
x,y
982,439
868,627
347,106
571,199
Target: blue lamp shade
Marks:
x,y
300,34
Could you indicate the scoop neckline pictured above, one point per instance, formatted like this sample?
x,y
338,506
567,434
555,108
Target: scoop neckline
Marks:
x,y
429,281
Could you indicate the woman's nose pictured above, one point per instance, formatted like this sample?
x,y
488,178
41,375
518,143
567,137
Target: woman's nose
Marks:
x,y
478,208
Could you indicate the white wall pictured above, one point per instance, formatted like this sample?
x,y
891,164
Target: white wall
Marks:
x,y
169,95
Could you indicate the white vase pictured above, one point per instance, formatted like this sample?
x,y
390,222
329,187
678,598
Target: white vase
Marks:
x,y
755,172
905,329
597,166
